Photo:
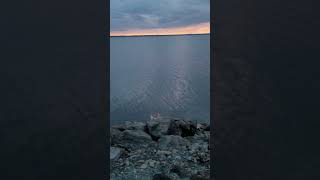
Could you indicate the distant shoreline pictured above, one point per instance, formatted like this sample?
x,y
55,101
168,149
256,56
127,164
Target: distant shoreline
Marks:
x,y
162,35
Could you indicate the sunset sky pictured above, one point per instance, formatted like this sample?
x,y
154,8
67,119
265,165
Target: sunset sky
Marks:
x,y
160,17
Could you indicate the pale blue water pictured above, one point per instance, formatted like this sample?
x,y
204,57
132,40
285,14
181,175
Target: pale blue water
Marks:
x,y
165,74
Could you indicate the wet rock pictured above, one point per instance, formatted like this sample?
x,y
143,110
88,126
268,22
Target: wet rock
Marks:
x,y
172,141
115,153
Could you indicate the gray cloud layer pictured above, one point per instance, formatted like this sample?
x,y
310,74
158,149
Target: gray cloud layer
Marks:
x,y
145,14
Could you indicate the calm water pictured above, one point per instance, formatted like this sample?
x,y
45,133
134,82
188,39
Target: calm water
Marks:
x,y
165,74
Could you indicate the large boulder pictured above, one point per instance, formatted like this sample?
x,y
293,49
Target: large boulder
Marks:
x,y
172,141
132,125
182,128
133,139
136,136
158,127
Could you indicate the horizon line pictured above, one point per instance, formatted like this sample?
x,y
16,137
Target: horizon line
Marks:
x,y
139,35
201,28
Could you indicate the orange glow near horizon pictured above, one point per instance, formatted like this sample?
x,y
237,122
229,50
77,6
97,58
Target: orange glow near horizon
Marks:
x,y
202,28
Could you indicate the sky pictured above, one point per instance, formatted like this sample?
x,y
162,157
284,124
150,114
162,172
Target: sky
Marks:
x,y
159,17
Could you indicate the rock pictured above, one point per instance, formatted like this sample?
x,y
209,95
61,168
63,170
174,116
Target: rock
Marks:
x,y
178,152
143,166
174,128
182,128
158,127
115,136
131,125
178,157
188,128
152,163
136,136
203,126
172,141
127,162
198,177
161,177
176,169
163,152
120,127
115,153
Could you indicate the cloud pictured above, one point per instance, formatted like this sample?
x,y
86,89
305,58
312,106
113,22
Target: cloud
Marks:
x,y
129,15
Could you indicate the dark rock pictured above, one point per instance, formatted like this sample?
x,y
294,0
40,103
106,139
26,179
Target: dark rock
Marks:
x,y
174,128
182,128
176,169
115,136
161,177
172,141
203,126
198,177
188,129
120,127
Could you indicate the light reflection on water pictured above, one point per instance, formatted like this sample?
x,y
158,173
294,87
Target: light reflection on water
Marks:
x,y
167,74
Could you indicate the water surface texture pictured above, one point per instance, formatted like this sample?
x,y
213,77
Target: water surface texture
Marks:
x,y
165,74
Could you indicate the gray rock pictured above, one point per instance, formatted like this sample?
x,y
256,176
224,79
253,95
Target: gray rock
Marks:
x,y
132,125
170,157
115,136
120,127
143,166
172,141
158,127
115,153
138,136
203,126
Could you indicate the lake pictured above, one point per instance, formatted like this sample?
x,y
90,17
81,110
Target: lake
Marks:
x,y
165,74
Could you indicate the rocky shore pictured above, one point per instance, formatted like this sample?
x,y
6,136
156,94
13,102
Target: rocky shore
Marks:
x,y
160,149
